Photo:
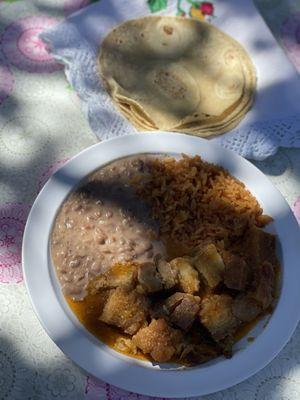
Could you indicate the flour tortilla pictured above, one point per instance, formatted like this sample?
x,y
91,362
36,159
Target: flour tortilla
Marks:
x,y
179,74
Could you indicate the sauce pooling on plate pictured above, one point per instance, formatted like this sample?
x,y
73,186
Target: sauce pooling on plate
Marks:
x,y
165,259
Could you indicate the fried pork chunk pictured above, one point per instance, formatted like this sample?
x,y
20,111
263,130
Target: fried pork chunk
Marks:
x,y
199,353
149,279
236,271
188,277
119,275
168,274
246,308
159,340
259,246
126,309
210,265
264,281
182,309
216,315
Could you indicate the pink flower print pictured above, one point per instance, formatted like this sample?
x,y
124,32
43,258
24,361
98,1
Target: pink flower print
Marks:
x,y
49,172
96,389
71,6
12,223
6,81
207,8
32,46
23,47
296,209
114,393
290,38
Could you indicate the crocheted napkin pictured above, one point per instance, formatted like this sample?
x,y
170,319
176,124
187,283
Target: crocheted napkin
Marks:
x,y
274,120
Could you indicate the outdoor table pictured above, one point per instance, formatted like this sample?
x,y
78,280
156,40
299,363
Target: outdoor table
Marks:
x,y
41,127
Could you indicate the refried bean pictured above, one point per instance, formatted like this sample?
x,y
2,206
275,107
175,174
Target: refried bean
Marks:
x,y
102,223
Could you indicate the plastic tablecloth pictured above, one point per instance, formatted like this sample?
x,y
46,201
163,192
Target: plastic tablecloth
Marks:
x,y
41,127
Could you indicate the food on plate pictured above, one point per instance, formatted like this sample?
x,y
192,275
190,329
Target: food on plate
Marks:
x,y
217,316
188,278
177,74
164,258
210,265
159,340
182,309
127,309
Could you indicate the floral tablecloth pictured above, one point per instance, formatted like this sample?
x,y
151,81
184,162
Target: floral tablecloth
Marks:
x,y
41,126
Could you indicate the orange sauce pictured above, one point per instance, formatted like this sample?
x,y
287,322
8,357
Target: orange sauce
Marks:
x,y
119,270
87,311
245,329
247,326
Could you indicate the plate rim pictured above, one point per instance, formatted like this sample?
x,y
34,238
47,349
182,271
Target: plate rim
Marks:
x,y
133,377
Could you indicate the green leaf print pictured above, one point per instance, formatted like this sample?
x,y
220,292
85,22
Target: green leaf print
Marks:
x,y
10,1
195,4
157,5
69,87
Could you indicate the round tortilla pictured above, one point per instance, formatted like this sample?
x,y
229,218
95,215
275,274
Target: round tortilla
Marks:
x,y
173,73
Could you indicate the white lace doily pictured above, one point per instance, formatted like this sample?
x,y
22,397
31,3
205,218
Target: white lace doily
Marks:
x,y
75,42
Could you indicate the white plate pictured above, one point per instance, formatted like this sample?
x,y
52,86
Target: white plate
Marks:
x,y
141,376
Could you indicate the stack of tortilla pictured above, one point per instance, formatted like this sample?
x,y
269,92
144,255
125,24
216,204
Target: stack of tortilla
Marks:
x,y
177,74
